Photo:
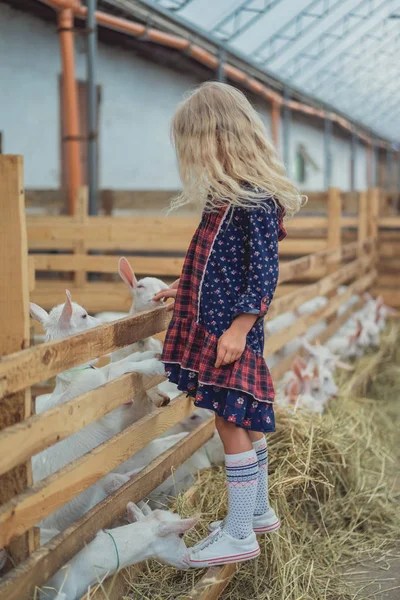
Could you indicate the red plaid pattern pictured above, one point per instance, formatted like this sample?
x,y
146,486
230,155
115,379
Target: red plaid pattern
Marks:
x,y
190,345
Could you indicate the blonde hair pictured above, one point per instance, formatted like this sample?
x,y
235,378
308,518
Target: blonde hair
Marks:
x,y
221,144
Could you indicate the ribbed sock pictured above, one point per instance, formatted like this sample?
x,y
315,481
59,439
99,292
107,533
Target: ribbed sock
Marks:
x,y
242,478
262,503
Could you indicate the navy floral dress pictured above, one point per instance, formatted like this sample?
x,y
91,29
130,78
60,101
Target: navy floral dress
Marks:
x,y
231,268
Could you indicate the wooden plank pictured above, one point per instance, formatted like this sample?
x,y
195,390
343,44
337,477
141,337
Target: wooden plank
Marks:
x,y
349,221
213,583
301,326
390,222
389,249
31,273
23,440
362,233
294,247
81,216
390,296
44,497
43,563
36,364
306,264
96,296
14,330
373,213
334,231
142,265
284,365
320,288
306,222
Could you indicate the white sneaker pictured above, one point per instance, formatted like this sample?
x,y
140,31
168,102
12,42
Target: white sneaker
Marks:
x,y
219,548
265,523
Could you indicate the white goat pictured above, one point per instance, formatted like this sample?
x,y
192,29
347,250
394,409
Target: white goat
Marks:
x,y
64,320
142,292
151,534
211,453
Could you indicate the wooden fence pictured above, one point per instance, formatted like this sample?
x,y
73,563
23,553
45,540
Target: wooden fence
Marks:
x,y
69,249
24,434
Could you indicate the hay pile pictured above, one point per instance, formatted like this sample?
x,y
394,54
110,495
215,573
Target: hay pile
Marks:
x,y
331,482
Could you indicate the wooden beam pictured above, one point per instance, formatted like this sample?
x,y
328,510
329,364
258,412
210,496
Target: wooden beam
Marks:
x,y
334,231
320,288
81,216
142,265
31,506
301,326
373,213
23,440
213,582
362,233
14,330
43,563
38,363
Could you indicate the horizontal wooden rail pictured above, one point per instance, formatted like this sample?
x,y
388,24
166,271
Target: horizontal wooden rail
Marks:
x,y
307,264
44,562
23,440
31,506
149,265
301,326
23,369
294,299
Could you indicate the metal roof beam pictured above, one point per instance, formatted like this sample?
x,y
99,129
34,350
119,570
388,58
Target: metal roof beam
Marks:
x,y
346,56
237,21
175,5
364,67
327,40
270,49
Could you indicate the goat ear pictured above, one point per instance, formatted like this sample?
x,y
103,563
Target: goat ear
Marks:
x,y
133,513
297,369
38,313
345,366
66,314
145,508
177,526
126,273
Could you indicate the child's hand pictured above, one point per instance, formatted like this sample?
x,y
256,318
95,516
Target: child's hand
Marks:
x,y
231,346
164,294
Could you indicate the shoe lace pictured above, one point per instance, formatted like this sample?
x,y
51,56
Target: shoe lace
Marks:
x,y
216,535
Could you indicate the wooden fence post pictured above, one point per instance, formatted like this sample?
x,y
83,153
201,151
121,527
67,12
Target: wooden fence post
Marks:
x,y
362,232
81,216
373,221
334,237
14,330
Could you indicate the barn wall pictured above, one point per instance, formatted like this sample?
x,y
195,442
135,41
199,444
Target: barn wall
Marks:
x,y
138,99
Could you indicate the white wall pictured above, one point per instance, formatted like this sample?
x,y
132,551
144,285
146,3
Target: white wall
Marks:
x,y
138,100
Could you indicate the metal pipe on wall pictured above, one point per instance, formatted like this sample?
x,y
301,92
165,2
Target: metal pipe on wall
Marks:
x,y
275,121
353,158
220,69
286,129
327,152
92,106
71,137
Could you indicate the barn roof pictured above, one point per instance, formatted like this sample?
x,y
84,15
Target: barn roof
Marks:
x,y
341,53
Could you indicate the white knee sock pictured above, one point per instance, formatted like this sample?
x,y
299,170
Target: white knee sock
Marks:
x,y
262,503
242,478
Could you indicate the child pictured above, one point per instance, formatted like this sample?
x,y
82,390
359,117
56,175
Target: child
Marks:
x,y
214,345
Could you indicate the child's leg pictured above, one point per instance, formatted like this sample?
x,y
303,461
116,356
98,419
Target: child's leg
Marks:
x,y
242,477
260,446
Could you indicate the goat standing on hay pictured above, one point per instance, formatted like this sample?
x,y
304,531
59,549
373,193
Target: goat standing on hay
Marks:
x,y
151,534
